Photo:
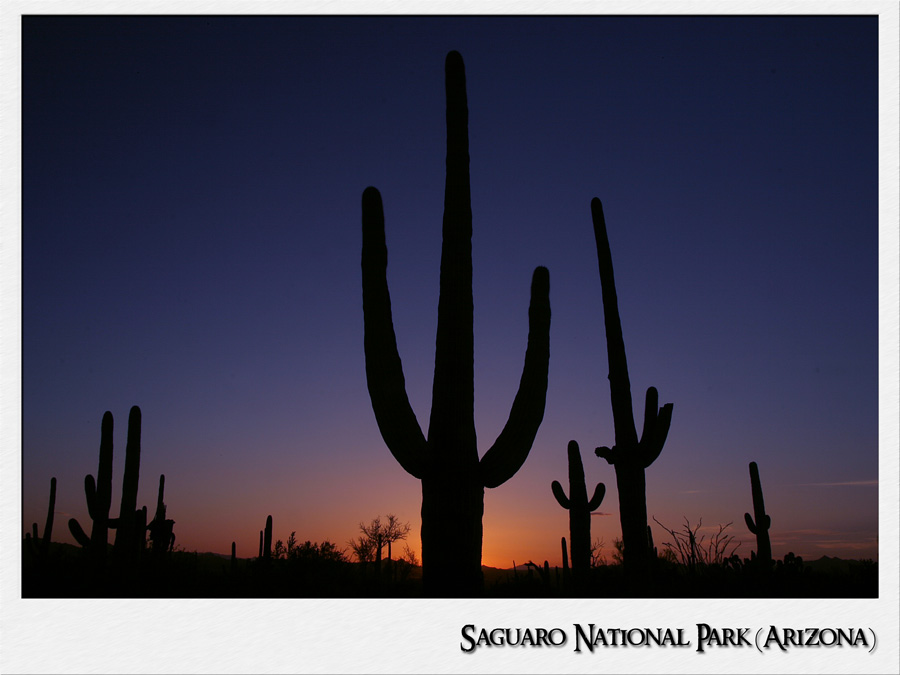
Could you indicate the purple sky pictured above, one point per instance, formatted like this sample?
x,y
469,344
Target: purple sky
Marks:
x,y
191,239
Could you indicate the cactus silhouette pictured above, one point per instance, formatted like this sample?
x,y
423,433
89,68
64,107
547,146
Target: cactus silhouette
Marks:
x,y
629,456
99,497
162,538
580,508
131,524
447,463
130,531
759,526
48,527
40,547
266,540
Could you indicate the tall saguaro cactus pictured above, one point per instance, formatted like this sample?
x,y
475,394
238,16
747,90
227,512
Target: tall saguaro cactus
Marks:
x,y
453,478
629,456
580,508
759,523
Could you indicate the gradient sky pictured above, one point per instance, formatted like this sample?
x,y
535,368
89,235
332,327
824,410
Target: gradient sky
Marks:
x,y
191,240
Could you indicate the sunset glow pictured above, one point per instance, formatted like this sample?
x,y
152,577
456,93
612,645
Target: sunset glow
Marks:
x,y
191,244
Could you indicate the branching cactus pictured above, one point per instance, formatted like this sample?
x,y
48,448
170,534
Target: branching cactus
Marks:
x,y
446,461
759,523
629,456
99,497
130,530
580,508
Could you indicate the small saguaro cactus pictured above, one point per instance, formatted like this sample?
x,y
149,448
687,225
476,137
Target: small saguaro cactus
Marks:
x,y
565,561
446,461
48,527
580,508
629,456
162,537
41,546
759,523
267,539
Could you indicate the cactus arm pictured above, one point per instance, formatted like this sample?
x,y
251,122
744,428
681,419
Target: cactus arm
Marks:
x,y
656,427
78,533
619,384
750,526
384,370
611,455
90,493
560,494
599,493
514,443
651,414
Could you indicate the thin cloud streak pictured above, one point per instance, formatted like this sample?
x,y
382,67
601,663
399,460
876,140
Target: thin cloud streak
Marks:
x,y
854,483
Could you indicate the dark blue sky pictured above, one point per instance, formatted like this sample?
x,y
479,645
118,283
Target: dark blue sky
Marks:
x,y
191,241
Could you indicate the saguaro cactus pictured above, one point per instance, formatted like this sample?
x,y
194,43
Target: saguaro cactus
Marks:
x,y
40,547
629,456
129,530
48,527
759,526
129,526
162,537
447,463
580,508
99,497
267,541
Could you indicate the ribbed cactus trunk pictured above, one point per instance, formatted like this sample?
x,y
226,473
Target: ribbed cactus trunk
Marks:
x,y
629,456
447,463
